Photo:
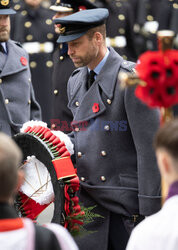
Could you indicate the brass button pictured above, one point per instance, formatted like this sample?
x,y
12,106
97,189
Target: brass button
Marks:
x,y
28,24
49,64
6,101
33,64
61,46
118,4
103,178
61,58
53,126
24,12
79,154
29,37
0,81
122,31
106,127
17,7
50,35
103,153
55,91
48,21
29,80
29,101
150,18
77,104
82,178
121,17
109,101
175,5
77,129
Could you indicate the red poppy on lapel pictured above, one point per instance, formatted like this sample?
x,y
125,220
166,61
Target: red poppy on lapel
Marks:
x,y
95,108
23,61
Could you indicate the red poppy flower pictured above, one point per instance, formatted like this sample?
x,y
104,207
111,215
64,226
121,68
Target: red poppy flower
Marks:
x,y
160,71
95,108
23,61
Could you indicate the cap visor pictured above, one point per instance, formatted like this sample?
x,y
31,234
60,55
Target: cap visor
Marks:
x,y
60,8
64,39
7,12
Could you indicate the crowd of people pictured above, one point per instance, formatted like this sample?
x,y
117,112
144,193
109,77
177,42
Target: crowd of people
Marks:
x,y
59,63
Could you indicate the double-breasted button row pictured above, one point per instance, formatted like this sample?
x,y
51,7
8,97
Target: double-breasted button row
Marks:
x,y
7,101
102,178
103,153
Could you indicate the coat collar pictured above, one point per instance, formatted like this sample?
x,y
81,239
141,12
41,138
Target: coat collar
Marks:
x,y
87,99
111,68
14,63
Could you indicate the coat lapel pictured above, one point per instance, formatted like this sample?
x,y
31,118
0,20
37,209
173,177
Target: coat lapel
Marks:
x,y
16,60
92,97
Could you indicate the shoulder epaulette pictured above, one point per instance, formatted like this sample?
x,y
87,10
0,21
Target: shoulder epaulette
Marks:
x,y
18,43
128,66
75,72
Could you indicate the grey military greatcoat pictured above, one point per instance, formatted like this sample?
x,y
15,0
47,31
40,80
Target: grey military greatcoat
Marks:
x,y
17,100
113,134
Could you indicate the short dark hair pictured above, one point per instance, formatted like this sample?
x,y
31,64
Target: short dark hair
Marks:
x,y
101,29
167,138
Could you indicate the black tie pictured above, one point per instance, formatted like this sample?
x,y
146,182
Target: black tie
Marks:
x,y
91,78
1,48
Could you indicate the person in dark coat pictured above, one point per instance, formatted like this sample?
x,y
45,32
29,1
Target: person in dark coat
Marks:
x,y
23,234
61,116
33,28
112,135
17,100
119,27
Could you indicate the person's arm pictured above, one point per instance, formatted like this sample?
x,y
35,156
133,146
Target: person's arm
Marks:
x,y
144,123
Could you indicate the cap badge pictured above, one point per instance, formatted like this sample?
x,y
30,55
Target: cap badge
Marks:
x,y
62,30
4,2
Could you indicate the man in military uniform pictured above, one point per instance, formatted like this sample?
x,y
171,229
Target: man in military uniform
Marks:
x,y
61,116
17,100
112,135
33,27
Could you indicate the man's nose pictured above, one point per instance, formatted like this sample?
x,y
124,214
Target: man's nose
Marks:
x,y
70,51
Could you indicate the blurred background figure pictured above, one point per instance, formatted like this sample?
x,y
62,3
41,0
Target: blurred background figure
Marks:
x,y
33,28
17,100
61,116
144,236
119,27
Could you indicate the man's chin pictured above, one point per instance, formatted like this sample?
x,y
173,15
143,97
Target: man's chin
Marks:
x,y
4,38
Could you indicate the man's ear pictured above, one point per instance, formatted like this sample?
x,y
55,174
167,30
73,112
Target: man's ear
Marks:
x,y
98,37
20,180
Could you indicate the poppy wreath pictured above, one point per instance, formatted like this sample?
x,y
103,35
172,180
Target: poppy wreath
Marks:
x,y
159,70
42,144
